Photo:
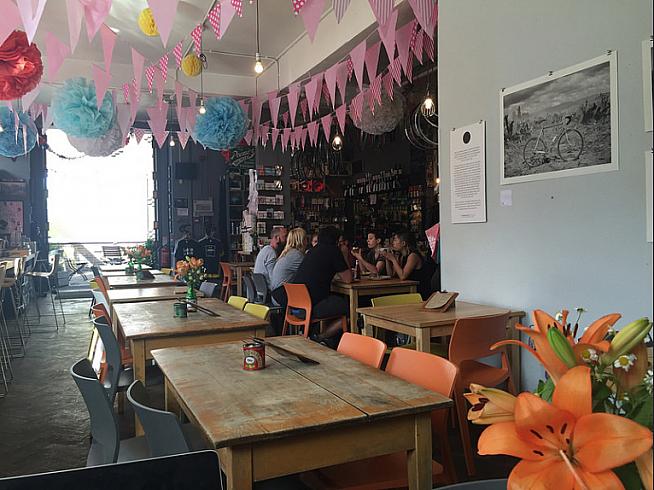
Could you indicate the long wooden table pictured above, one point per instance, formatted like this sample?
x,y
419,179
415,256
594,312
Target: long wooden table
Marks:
x,y
117,282
119,267
138,295
152,325
239,268
370,287
154,272
424,324
292,417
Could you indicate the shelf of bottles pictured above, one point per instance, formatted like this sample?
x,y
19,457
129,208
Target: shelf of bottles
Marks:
x,y
382,182
270,191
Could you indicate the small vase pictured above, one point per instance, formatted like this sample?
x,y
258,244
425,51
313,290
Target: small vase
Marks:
x,y
129,270
191,296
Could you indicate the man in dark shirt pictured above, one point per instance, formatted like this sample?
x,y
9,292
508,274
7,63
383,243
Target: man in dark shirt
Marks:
x,y
317,271
210,250
186,246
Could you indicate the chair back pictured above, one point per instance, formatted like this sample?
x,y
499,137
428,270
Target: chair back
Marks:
x,y
472,338
208,289
298,298
112,252
250,289
95,270
54,263
397,299
104,426
112,355
100,310
260,311
3,273
162,429
261,286
237,302
227,272
367,350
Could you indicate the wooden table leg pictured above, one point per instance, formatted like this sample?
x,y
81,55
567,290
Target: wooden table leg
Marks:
x,y
354,316
368,330
138,360
514,352
238,467
171,403
423,336
419,458
239,281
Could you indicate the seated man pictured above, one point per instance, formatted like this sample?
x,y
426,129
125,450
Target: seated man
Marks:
x,y
317,271
267,256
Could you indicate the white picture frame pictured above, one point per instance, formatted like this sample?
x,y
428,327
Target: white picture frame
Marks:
x,y
648,53
559,125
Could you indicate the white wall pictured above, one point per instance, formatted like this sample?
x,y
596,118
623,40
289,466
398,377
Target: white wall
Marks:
x,y
575,241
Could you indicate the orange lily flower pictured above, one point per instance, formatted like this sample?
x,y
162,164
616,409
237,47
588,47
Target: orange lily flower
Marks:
x,y
644,464
489,405
564,445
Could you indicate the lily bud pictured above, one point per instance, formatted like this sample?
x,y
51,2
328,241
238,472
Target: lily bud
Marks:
x,y
627,339
561,347
489,405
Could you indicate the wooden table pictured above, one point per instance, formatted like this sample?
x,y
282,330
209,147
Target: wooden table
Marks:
x,y
424,324
238,268
369,287
138,295
118,267
154,272
116,282
151,325
292,417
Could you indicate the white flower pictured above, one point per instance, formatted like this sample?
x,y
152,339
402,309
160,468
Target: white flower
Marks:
x,y
590,356
559,316
625,361
648,380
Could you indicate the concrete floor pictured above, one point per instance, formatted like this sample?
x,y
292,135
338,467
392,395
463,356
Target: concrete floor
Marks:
x,y
44,424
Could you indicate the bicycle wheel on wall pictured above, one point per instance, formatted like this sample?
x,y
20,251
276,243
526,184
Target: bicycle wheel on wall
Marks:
x,y
534,152
571,144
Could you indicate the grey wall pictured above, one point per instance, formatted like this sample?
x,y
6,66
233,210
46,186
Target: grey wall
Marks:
x,y
564,242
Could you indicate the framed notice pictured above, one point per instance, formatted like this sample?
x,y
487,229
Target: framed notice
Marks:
x,y
468,173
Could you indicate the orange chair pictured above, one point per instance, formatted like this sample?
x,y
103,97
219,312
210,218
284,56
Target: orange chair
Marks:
x,y
471,340
364,349
390,471
226,287
299,299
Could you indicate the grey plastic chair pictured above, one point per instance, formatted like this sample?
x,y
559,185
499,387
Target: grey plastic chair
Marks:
x,y
165,435
208,289
250,289
261,286
478,485
106,446
117,377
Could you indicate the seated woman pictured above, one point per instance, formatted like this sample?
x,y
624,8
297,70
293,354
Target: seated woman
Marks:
x,y
372,261
406,262
288,262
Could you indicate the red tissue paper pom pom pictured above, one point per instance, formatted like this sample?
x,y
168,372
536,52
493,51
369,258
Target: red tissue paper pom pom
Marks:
x,y
21,66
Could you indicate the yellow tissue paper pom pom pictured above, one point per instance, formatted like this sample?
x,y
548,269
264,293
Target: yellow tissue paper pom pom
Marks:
x,y
147,24
191,65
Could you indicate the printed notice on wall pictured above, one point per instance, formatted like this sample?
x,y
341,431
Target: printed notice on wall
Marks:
x,y
468,173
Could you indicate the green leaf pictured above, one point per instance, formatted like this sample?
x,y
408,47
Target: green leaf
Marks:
x,y
545,389
629,476
643,413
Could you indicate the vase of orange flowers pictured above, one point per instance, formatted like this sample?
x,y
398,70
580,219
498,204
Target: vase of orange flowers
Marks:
x,y
137,257
192,272
589,425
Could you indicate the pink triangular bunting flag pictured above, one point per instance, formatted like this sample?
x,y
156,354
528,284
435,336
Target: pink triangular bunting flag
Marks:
x,y
160,137
340,116
372,59
10,19
137,63
95,13
214,19
382,10
387,35
163,66
422,10
183,137
56,52
108,42
418,46
238,7
330,82
273,104
326,122
403,39
101,79
248,137
164,12
340,6
226,15
196,35
286,135
274,135
312,129
139,133
30,12
387,82
311,13
292,97
177,53
124,118
341,80
357,55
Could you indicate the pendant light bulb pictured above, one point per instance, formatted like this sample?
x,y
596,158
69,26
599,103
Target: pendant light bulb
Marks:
x,y
337,143
171,142
2,130
202,109
258,66
428,107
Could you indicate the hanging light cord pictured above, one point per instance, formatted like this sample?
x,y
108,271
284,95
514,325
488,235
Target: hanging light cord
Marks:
x,y
257,24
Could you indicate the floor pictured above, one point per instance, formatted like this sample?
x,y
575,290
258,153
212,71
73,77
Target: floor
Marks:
x,y
44,424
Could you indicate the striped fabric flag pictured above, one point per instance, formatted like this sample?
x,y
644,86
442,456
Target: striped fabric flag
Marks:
x,y
214,19
196,35
414,36
356,105
177,52
409,71
238,6
376,87
429,47
285,119
350,69
163,66
136,91
126,92
387,82
304,107
149,76
340,6
382,10
370,98
395,68
422,11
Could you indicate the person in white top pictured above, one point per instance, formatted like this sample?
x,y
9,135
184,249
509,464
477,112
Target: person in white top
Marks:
x,y
267,256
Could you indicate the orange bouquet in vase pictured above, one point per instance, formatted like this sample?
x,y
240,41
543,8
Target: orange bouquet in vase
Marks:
x,y
192,272
589,425
138,256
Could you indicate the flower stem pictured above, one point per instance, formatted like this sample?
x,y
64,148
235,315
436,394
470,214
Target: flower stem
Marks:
x,y
571,467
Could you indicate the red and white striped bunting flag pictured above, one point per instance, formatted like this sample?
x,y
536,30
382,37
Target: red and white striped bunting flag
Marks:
x,y
163,66
418,46
139,133
238,6
214,19
149,76
196,35
395,68
126,92
376,87
429,47
387,82
382,10
340,6
304,107
177,52
356,105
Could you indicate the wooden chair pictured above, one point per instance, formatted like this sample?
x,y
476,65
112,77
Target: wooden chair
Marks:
x,y
397,299
237,302
390,471
471,340
260,311
364,349
299,299
226,287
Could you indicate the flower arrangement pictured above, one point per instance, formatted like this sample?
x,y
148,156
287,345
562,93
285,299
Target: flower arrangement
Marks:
x,y
138,255
21,66
589,426
192,272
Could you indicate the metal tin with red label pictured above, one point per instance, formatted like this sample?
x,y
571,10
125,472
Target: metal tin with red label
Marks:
x,y
254,356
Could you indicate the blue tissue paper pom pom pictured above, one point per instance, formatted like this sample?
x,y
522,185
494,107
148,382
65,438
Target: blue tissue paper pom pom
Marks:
x,y
223,126
9,147
75,110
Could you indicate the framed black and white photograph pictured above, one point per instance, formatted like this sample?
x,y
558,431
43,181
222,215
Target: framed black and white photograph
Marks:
x,y
648,75
562,124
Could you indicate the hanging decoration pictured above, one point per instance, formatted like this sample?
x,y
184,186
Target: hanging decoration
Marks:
x,y
191,65
21,66
76,112
385,118
103,146
223,125
147,24
12,142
